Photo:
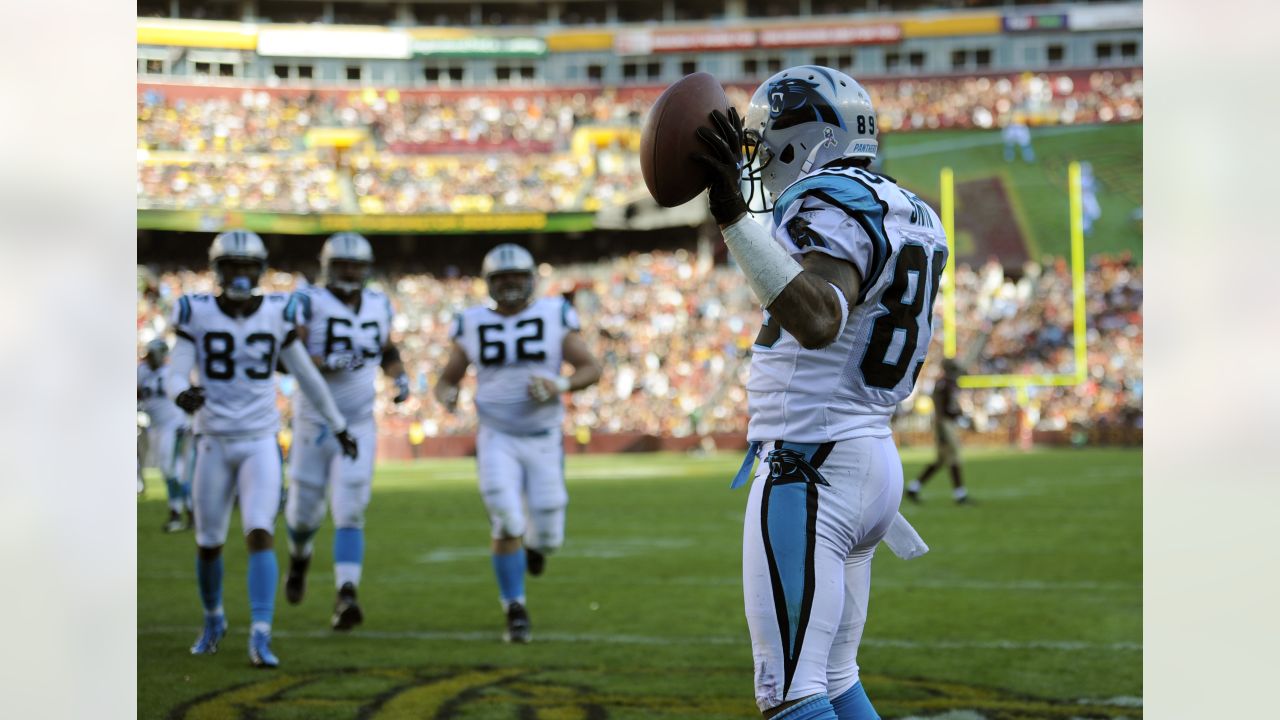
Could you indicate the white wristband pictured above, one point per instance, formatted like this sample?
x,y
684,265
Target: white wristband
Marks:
x,y
767,266
562,383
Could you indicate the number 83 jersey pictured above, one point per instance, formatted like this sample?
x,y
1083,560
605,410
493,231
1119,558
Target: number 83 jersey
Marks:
x,y
850,388
507,352
235,361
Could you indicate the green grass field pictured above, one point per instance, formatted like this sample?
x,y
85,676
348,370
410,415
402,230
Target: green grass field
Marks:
x,y
1028,606
1038,191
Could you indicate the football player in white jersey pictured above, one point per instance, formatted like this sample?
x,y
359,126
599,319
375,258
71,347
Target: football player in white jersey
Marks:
x,y
518,346
345,328
232,341
846,270
169,434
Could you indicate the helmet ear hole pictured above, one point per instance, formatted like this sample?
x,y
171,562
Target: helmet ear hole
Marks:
x,y
788,154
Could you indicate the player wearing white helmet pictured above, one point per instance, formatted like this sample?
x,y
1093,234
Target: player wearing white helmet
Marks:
x,y
231,341
168,433
346,329
518,345
846,270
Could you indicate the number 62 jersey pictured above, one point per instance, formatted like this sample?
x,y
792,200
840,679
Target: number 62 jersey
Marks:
x,y
507,352
235,361
850,388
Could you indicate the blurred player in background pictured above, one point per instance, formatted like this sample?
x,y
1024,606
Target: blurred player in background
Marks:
x,y
346,329
519,346
169,434
232,341
946,411
1017,135
847,278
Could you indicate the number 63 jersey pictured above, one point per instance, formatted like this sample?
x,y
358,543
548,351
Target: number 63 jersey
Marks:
x,y
850,388
335,327
235,362
509,350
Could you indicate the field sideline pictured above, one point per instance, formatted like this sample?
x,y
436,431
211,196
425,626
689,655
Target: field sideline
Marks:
x,y
1029,605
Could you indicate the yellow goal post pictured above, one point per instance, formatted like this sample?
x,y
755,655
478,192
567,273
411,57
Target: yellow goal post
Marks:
x,y
1079,326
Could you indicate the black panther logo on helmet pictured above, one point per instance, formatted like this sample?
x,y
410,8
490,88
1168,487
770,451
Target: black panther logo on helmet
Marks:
x,y
793,101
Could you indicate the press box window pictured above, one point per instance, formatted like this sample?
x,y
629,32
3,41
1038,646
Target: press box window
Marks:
x,y
1055,54
155,67
595,73
1129,50
1103,51
981,57
353,72
202,68
280,71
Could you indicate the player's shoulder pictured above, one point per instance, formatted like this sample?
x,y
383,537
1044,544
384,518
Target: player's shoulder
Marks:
x,y
190,304
838,186
275,299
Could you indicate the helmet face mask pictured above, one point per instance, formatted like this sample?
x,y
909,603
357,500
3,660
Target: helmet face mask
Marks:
x,y
345,263
239,258
511,290
800,119
509,271
346,277
238,277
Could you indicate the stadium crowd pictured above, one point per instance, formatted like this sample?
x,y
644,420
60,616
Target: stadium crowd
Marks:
x,y
674,333
190,149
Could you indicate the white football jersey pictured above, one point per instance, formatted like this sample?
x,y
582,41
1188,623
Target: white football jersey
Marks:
x,y
235,362
156,401
332,326
509,350
850,388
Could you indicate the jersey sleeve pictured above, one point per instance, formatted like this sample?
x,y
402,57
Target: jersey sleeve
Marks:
x,y
182,318
298,309
837,215
569,317
455,328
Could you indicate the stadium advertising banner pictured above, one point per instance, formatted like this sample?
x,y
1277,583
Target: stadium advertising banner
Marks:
x,y
313,42
429,224
481,46
1107,17
1034,23
644,42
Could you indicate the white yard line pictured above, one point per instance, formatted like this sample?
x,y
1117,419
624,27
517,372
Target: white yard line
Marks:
x,y
610,639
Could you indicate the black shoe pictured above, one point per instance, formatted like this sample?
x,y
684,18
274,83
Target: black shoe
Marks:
x,y
175,523
914,496
346,611
517,624
534,561
295,586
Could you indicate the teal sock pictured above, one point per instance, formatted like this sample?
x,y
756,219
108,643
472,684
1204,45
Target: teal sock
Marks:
x,y
854,705
263,576
510,571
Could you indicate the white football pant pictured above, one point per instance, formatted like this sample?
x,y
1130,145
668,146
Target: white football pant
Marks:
x,y
226,466
317,465
163,442
522,484
814,517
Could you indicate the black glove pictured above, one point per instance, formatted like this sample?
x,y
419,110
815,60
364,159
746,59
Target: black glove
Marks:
x,y
190,399
724,164
402,389
348,443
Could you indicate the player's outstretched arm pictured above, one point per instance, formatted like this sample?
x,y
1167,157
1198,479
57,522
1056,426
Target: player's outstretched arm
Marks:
x,y
454,370
586,371
299,364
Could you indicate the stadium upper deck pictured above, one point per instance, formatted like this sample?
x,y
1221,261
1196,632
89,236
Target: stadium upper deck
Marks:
x,y
616,42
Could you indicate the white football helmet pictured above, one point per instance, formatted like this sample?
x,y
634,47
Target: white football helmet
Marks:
x,y
509,259
239,258
802,118
346,247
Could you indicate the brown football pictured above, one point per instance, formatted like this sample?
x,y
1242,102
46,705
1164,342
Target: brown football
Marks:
x,y
669,138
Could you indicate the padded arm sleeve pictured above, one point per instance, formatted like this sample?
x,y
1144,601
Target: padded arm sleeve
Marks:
x,y
295,358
